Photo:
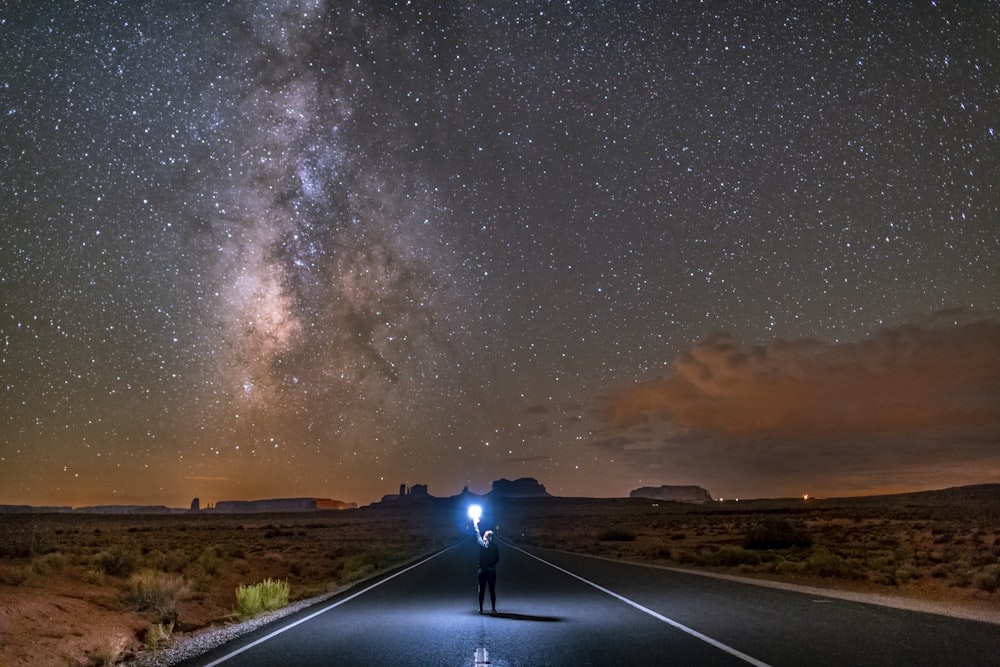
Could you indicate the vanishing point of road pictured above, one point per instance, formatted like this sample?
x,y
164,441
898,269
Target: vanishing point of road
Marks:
x,y
563,609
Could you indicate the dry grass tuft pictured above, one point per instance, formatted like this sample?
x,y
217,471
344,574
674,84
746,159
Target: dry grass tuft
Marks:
x,y
158,634
110,651
156,593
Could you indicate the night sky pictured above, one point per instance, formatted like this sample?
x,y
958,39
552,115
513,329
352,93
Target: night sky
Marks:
x,y
281,249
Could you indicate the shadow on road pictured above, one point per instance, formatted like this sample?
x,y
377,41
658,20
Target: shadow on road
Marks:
x,y
524,617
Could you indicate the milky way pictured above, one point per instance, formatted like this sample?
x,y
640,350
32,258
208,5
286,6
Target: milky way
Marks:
x,y
319,248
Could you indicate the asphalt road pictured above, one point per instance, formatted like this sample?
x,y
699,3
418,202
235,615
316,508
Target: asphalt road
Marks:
x,y
561,609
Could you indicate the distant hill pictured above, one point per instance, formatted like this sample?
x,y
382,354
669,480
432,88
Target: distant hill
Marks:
x,y
27,509
222,507
971,494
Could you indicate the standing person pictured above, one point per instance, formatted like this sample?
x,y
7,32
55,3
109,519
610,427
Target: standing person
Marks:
x,y
489,556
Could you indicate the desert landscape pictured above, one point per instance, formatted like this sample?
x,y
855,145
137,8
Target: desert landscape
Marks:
x,y
102,589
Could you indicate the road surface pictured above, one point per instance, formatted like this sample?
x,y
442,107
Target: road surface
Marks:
x,y
562,609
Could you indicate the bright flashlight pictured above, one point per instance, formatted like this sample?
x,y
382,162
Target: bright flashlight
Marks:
x,y
475,511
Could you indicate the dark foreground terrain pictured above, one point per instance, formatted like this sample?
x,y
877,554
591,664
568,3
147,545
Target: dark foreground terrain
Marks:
x,y
97,589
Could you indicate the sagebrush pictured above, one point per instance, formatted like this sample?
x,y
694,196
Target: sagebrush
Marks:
x,y
157,593
256,599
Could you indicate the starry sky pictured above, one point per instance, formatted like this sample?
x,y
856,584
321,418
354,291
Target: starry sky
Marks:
x,y
286,248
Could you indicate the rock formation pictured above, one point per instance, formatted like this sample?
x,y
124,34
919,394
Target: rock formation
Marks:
x,y
279,505
125,509
415,492
526,487
329,504
678,494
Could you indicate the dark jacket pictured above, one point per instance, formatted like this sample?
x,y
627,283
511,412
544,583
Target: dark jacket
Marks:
x,y
489,554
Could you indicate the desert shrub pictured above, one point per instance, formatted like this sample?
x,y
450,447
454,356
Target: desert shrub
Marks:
x,y
616,534
658,553
209,561
387,556
935,557
110,651
159,633
685,557
278,532
886,578
776,533
907,572
728,556
94,577
987,579
788,567
256,599
50,562
827,564
157,593
892,575
904,553
174,560
961,577
274,558
358,566
739,556
17,575
117,562
982,558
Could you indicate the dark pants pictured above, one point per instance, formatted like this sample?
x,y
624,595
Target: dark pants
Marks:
x,y
488,577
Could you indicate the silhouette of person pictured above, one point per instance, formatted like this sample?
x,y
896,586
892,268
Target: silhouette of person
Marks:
x,y
489,556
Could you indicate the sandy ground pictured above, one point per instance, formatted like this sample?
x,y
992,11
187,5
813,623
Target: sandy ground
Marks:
x,y
62,623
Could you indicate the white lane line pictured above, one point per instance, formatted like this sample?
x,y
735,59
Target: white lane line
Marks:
x,y
669,621
313,615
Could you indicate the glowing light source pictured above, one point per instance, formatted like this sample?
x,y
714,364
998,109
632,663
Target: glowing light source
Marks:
x,y
475,511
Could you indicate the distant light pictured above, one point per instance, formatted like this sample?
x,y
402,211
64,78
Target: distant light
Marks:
x,y
475,511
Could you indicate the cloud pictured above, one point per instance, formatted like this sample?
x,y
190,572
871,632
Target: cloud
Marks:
x,y
910,407
910,379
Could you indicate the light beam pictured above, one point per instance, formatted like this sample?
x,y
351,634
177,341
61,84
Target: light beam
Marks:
x,y
475,511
